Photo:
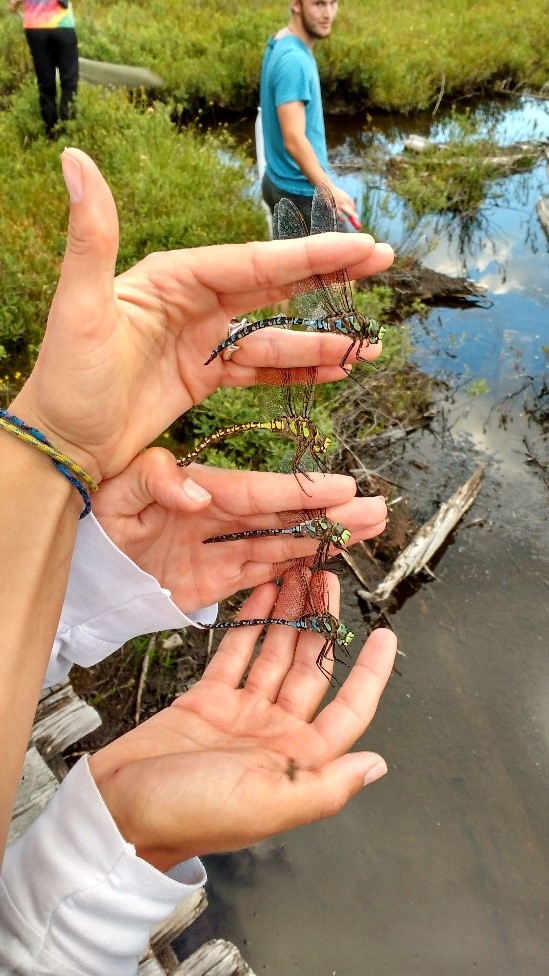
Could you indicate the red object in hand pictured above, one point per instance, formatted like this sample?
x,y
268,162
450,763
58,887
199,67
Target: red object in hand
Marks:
x,y
354,221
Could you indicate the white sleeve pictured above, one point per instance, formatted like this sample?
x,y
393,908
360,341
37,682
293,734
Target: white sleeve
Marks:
x,y
108,601
75,899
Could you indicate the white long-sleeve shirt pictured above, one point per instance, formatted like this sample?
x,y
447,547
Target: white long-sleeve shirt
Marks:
x,y
108,601
75,899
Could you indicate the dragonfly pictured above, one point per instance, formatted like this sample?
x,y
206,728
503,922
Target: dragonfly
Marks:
x,y
303,598
317,526
286,394
326,300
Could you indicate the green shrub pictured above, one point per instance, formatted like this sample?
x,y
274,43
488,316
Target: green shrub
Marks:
x,y
454,178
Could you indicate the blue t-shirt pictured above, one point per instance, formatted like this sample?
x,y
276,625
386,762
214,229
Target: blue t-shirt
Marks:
x,y
289,73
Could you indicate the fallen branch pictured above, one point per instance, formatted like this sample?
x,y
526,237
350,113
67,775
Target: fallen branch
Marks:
x,y
151,647
542,207
117,75
351,563
428,539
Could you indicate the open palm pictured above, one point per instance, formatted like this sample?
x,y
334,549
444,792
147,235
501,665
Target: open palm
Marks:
x,y
230,763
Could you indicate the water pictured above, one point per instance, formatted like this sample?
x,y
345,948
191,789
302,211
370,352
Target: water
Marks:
x,y
441,868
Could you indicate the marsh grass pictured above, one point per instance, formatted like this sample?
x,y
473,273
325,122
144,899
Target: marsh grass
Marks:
x,y
398,57
172,190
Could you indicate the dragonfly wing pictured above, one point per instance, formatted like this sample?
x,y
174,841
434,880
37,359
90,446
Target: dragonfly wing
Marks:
x,y
302,592
305,464
286,392
337,287
308,294
318,593
293,598
302,384
323,211
288,221
291,518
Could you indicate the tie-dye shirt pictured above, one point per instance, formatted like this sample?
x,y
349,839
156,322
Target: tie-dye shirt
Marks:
x,y
46,14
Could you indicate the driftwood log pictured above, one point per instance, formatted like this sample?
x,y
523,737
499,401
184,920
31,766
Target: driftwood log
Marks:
x,y
427,540
215,958
506,158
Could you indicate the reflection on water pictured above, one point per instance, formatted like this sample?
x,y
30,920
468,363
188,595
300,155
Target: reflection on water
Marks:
x,y
502,247
440,868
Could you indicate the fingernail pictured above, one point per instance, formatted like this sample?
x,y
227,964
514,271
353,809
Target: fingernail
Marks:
x,y
195,492
72,174
376,772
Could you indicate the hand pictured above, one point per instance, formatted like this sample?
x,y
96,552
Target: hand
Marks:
x,y
344,203
123,358
226,766
160,514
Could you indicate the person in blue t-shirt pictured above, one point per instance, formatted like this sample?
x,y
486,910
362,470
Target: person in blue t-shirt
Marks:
x,y
291,110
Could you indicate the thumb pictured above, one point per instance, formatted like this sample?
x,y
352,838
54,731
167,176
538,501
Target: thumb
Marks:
x,y
165,483
92,242
324,792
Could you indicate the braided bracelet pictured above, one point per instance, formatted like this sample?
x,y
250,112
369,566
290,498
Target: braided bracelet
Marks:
x,y
70,469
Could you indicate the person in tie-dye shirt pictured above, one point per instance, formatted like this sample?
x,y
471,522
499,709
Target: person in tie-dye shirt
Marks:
x,y
51,36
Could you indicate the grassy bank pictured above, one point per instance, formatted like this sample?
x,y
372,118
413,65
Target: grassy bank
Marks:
x,y
397,56
172,190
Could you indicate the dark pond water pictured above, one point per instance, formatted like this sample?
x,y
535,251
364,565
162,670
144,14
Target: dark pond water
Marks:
x,y
441,868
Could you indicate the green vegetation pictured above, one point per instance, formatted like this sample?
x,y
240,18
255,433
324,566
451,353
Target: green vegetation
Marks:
x,y
478,388
390,57
172,190
454,177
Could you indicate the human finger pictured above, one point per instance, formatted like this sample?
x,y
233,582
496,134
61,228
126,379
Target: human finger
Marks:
x,y
261,265
346,718
307,681
364,265
241,494
234,653
363,517
92,246
284,349
304,795
278,657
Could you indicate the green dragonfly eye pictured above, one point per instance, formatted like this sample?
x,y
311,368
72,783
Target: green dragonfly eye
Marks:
x,y
344,635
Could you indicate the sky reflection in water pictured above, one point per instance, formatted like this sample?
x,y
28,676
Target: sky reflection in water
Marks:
x,y
503,248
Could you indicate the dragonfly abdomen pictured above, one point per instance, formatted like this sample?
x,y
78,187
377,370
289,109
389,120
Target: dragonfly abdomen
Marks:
x,y
300,624
252,534
276,322
300,428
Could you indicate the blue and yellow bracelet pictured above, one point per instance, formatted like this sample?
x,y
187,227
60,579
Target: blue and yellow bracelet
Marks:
x,y
70,469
